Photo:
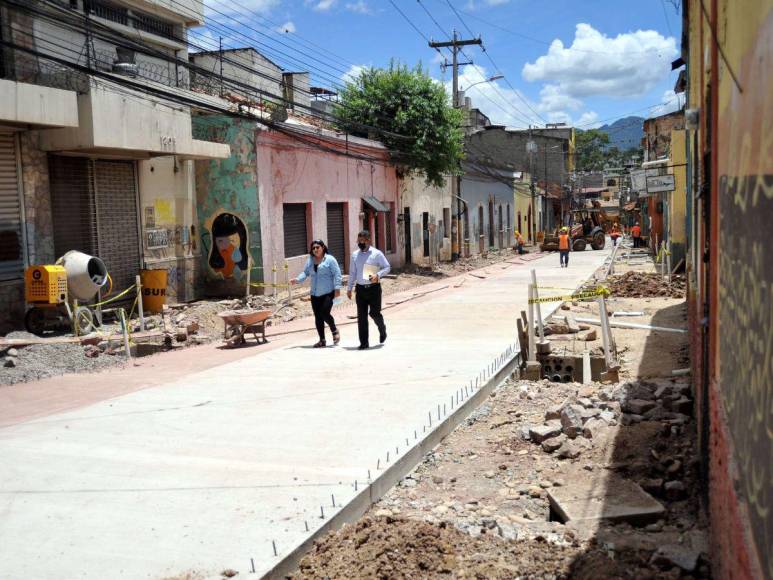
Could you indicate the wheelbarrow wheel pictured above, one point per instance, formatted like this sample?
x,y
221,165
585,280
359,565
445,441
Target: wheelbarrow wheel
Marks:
x,y
84,320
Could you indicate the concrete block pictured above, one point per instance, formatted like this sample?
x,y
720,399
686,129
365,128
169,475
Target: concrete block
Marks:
x,y
571,420
539,433
616,499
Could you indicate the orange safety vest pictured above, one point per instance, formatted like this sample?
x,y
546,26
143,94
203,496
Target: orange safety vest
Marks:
x,y
563,242
636,231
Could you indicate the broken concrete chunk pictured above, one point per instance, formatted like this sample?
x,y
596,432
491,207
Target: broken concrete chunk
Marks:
x,y
593,428
571,420
653,486
588,336
568,451
682,405
12,352
551,445
675,490
618,499
553,412
588,414
670,555
608,417
639,406
571,323
540,433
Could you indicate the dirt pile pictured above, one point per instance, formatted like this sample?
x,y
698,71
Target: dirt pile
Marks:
x,y
646,285
387,547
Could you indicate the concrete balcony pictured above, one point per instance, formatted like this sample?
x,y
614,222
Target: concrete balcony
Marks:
x,y
116,121
188,12
24,104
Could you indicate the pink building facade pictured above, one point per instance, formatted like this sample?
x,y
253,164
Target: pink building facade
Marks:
x,y
323,185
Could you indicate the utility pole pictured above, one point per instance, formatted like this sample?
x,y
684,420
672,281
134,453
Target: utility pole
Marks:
x,y
456,45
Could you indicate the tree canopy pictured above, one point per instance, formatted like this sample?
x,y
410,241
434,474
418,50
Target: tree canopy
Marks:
x,y
410,113
589,149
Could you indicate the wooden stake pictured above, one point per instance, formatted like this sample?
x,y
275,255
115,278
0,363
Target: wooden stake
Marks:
x,y
140,311
535,295
532,340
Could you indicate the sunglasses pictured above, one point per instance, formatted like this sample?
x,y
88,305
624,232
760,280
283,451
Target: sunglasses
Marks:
x,y
316,247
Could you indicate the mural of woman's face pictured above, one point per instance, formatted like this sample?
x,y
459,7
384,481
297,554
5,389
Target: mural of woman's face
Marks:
x,y
229,245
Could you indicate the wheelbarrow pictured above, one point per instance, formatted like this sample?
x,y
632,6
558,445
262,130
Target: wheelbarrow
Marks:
x,y
240,322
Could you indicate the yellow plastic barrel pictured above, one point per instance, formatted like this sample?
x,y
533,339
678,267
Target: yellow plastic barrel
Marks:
x,y
153,289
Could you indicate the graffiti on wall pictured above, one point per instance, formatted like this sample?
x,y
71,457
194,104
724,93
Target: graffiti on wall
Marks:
x,y
746,342
228,254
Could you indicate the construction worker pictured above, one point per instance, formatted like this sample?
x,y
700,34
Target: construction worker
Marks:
x,y
636,233
519,242
564,245
614,234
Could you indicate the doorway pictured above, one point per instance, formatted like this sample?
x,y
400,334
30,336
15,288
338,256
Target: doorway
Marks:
x,y
481,235
407,226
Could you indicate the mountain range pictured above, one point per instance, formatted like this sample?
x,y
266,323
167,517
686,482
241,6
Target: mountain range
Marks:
x,y
625,133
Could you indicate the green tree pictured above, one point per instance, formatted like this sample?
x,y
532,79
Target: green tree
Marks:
x,y
589,149
412,116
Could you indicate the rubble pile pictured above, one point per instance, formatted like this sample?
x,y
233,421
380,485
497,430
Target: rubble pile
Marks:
x,y
635,284
40,361
488,489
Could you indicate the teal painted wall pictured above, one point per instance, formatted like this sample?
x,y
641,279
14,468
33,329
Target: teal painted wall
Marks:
x,y
227,207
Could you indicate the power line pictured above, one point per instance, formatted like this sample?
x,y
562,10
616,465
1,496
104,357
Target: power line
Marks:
x,y
114,37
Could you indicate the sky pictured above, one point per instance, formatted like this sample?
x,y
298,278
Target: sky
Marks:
x,y
584,63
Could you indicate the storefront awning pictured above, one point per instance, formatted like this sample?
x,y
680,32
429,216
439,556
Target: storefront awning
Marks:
x,y
375,204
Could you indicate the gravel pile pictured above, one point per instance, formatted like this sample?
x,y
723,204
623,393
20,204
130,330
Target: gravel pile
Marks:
x,y
39,361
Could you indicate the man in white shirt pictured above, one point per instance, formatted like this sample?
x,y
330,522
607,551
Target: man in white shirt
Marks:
x,y
367,268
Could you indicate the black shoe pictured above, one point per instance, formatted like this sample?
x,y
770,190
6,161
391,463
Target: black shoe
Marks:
x,y
363,347
382,337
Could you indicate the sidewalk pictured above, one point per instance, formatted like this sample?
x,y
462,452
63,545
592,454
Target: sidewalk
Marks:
x,y
210,470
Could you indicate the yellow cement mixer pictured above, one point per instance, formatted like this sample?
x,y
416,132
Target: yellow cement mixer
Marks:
x,y
53,291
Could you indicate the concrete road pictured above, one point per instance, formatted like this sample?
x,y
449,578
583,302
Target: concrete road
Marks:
x,y
217,468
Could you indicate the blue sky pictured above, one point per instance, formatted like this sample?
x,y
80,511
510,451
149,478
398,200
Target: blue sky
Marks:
x,y
581,62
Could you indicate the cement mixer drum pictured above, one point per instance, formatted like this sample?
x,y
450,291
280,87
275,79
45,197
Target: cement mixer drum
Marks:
x,y
85,274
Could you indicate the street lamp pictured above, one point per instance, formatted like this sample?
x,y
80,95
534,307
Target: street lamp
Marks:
x,y
488,80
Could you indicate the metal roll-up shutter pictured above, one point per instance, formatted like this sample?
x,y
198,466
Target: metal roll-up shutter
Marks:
x,y
11,238
118,227
72,205
336,243
294,219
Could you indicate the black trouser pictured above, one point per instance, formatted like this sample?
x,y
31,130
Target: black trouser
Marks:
x,y
322,305
369,297
637,242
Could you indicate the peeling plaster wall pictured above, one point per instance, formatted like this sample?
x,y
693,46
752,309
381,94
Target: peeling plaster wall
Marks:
x,y
477,191
168,214
228,186
420,197
293,172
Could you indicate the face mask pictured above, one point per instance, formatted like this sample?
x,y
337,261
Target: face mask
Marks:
x,y
362,246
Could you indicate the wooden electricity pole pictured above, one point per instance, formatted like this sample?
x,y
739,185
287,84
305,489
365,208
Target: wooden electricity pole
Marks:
x,y
456,45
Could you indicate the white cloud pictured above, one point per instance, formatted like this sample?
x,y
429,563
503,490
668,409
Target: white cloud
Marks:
x,y
588,120
628,65
505,106
359,7
321,5
288,26
669,103
353,73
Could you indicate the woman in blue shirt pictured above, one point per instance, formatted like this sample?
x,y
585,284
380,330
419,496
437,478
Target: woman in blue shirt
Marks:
x,y
325,274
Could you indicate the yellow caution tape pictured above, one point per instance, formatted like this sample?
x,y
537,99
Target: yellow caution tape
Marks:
x,y
585,295
265,285
114,298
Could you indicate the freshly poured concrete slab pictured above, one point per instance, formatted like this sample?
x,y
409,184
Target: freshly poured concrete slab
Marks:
x,y
215,469
613,499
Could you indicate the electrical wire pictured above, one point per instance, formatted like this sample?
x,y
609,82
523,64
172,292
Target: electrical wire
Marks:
x,y
110,36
